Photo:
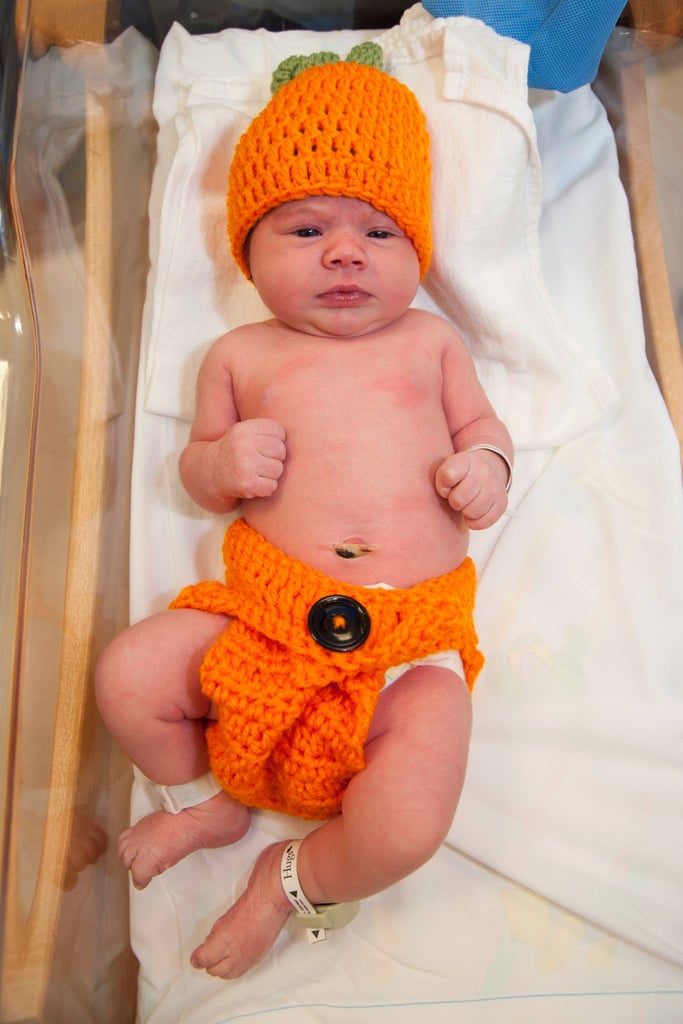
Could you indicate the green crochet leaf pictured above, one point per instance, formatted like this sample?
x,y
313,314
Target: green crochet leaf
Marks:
x,y
290,67
367,53
364,53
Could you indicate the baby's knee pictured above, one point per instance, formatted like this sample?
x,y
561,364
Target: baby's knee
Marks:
x,y
113,676
154,666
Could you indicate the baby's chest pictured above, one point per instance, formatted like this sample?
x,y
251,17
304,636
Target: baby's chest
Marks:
x,y
339,386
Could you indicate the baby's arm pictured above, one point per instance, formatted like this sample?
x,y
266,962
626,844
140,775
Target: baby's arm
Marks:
x,y
227,459
475,479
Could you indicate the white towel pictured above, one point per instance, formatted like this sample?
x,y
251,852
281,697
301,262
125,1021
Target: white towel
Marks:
x,y
486,274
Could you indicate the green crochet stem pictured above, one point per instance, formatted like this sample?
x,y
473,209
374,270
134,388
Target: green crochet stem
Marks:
x,y
364,53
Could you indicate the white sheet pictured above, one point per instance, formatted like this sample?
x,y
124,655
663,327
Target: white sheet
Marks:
x,y
574,789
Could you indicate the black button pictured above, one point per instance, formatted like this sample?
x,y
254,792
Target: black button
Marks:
x,y
339,623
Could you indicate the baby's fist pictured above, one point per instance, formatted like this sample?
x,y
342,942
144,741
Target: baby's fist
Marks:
x,y
473,483
254,453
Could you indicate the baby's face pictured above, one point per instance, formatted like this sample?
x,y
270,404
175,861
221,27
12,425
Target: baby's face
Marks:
x,y
333,266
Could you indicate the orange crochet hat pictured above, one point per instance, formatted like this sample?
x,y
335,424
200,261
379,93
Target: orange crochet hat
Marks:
x,y
341,129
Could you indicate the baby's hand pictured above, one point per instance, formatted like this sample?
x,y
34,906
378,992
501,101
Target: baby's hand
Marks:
x,y
473,483
250,457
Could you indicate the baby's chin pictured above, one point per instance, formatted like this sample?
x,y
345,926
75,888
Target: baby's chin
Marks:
x,y
343,323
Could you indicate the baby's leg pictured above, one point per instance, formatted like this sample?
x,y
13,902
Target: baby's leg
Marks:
x,y
147,684
395,815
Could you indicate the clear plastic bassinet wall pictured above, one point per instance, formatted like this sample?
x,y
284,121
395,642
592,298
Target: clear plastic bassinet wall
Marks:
x,y
78,146
77,150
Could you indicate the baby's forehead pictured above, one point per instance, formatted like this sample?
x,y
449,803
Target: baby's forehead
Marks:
x,y
330,207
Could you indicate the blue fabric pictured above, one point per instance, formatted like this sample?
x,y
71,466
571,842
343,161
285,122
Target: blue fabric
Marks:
x,y
567,37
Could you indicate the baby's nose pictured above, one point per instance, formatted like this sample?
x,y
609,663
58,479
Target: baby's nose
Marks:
x,y
345,249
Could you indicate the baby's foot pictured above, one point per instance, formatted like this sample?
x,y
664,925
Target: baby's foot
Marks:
x,y
160,840
242,936
87,844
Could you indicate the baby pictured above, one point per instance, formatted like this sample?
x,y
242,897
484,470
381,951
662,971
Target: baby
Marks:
x,y
330,676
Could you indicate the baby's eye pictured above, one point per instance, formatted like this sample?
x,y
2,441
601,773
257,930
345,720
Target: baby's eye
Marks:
x,y
306,232
379,233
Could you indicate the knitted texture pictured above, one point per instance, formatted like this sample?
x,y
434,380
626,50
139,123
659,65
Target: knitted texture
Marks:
x,y
294,716
340,130
364,53
567,37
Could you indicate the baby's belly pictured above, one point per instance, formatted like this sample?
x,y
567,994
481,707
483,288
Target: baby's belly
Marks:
x,y
360,504
399,542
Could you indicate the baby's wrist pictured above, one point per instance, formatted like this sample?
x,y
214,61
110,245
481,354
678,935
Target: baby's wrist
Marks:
x,y
216,493
501,454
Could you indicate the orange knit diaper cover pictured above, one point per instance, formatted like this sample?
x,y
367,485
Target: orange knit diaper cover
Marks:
x,y
297,675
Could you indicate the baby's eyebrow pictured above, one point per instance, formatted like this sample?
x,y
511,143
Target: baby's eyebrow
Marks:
x,y
384,221
306,209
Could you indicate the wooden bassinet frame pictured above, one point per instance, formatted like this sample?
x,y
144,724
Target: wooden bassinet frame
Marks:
x,y
29,942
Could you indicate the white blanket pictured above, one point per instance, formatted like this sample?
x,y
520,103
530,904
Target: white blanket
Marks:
x,y
574,791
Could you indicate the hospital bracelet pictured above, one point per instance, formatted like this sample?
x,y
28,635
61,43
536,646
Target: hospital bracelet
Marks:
x,y
175,799
314,918
497,451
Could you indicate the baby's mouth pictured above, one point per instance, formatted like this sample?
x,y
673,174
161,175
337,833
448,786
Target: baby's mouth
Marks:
x,y
344,295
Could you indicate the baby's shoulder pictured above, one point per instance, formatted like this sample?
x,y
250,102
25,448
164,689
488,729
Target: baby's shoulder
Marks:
x,y
245,333
433,326
245,336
